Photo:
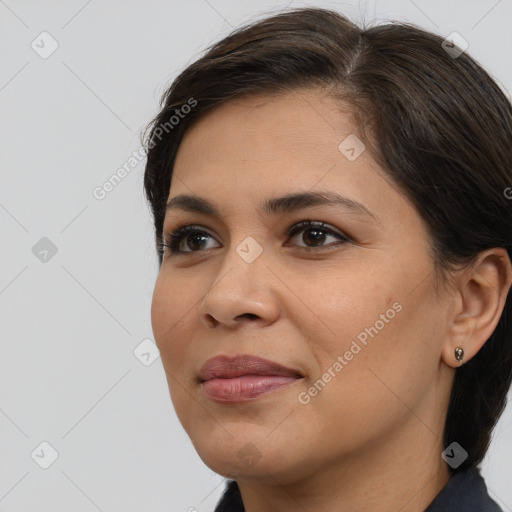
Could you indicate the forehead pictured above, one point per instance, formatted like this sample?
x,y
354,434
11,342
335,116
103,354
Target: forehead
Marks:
x,y
284,136
268,126
273,145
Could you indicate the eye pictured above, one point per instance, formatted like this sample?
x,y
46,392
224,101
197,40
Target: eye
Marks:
x,y
193,235
314,235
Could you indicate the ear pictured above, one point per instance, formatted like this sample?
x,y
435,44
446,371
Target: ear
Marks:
x,y
480,296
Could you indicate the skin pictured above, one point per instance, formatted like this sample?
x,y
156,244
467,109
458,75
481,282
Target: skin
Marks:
x,y
371,439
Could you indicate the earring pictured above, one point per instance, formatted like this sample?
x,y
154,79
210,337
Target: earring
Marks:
x,y
459,354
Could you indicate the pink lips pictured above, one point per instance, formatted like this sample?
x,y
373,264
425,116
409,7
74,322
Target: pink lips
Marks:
x,y
243,378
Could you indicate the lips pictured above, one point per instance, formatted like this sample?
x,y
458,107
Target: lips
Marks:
x,y
225,367
232,380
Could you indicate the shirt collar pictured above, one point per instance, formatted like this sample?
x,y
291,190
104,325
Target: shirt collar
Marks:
x,y
464,492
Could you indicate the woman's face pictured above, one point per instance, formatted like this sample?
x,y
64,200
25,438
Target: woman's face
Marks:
x,y
349,306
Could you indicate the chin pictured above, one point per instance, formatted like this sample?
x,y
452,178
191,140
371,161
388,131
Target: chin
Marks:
x,y
252,457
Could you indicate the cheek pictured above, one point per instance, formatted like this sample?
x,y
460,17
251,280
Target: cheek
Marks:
x,y
347,310
378,308
378,381
172,308
162,306
360,326
169,318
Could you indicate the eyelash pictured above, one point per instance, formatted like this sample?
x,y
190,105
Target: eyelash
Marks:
x,y
174,238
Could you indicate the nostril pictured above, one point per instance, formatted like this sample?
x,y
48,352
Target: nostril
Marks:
x,y
252,316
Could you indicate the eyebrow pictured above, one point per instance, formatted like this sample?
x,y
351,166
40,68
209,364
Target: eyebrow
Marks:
x,y
276,205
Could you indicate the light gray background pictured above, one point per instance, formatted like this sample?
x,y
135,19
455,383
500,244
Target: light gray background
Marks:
x,y
70,325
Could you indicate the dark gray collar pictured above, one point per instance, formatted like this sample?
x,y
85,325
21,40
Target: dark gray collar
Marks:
x,y
465,492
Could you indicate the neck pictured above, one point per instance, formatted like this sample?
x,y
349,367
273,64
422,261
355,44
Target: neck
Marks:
x,y
405,473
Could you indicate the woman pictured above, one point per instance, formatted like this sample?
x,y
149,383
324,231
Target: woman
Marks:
x,y
332,215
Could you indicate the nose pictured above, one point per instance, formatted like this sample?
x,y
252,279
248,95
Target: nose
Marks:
x,y
243,294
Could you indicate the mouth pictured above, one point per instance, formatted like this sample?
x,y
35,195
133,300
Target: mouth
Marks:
x,y
243,378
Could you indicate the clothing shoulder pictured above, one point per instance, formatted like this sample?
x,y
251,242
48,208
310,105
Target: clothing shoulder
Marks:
x,y
231,499
464,492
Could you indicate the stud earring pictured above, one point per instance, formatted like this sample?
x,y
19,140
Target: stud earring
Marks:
x,y
459,354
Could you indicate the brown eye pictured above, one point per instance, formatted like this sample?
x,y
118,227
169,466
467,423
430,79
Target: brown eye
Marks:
x,y
314,234
188,236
